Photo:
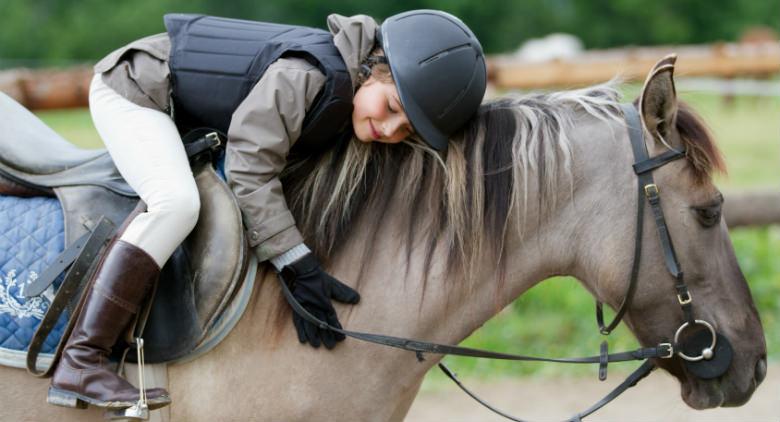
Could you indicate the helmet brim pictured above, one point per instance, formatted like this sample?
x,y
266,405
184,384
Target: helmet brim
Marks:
x,y
422,125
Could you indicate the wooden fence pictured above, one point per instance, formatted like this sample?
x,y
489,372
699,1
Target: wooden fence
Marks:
x,y
48,89
65,88
759,60
752,208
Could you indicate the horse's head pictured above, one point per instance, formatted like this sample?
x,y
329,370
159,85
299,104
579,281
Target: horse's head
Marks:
x,y
692,211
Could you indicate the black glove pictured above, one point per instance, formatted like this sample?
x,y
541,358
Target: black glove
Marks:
x,y
313,288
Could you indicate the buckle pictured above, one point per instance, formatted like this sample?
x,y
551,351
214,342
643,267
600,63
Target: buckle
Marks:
x,y
670,348
214,136
684,300
651,190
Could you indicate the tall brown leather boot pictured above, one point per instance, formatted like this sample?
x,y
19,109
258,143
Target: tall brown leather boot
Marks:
x,y
84,374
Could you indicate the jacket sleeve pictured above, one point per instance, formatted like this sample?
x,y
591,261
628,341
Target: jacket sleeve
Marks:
x,y
262,130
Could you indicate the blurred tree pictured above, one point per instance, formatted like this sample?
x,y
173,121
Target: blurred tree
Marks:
x,y
46,32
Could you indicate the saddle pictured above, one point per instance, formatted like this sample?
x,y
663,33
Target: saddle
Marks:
x,y
198,283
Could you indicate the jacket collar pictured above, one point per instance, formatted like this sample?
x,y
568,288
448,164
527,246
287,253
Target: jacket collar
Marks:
x,y
354,38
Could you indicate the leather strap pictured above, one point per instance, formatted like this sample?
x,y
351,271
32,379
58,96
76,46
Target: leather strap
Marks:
x,y
644,370
657,161
604,360
646,190
640,373
420,347
54,270
634,127
68,296
198,141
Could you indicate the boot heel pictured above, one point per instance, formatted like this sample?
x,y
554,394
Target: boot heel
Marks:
x,y
65,399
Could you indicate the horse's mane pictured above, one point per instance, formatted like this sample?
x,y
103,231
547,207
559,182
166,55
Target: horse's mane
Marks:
x,y
468,196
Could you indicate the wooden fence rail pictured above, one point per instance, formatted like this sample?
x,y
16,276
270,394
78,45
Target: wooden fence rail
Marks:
x,y
48,89
752,208
721,60
65,88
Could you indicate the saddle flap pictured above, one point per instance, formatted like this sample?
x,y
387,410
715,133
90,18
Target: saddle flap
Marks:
x,y
201,277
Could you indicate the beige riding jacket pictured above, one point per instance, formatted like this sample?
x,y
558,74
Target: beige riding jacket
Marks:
x,y
263,127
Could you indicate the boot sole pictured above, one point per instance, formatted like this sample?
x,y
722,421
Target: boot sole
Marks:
x,y
73,400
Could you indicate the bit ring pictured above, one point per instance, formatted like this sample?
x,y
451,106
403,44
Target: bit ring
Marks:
x,y
707,352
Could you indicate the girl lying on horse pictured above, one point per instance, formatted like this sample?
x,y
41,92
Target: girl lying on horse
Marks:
x,y
276,91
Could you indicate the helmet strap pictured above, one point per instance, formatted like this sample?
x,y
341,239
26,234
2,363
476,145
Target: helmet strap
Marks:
x,y
369,63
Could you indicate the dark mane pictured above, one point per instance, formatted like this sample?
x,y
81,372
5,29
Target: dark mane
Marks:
x,y
465,200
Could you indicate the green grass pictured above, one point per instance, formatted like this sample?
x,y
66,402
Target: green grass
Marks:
x,y
556,318
74,125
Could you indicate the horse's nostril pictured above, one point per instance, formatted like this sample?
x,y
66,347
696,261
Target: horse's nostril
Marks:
x,y
760,370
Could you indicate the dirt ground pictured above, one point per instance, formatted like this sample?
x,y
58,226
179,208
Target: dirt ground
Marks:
x,y
656,398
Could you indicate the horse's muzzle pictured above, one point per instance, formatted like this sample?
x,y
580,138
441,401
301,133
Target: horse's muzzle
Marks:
x,y
760,370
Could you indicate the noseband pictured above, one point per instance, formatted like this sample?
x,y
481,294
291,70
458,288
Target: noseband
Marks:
x,y
706,353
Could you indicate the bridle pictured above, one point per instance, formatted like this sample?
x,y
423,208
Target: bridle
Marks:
x,y
706,353
707,342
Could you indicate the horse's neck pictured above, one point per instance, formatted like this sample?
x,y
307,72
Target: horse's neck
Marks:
x,y
395,299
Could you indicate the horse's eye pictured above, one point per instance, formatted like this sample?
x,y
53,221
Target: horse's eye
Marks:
x,y
708,216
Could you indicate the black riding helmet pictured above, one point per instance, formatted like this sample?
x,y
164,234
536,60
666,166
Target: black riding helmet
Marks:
x,y
439,69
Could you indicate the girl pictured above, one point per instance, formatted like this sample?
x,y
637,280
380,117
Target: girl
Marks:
x,y
275,90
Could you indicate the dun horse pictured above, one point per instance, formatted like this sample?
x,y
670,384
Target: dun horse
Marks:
x,y
536,186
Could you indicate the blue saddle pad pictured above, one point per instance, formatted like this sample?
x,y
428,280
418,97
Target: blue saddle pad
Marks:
x,y
32,235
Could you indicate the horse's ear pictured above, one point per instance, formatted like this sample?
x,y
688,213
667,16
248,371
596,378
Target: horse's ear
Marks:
x,y
669,59
658,102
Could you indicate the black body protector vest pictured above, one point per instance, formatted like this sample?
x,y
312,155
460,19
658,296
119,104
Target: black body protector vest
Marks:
x,y
215,63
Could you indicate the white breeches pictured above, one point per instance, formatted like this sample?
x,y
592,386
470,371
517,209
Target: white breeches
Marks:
x,y
148,151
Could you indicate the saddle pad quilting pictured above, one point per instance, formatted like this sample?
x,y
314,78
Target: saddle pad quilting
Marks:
x,y
31,237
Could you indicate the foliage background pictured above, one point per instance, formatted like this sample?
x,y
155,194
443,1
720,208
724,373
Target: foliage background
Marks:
x,y
59,32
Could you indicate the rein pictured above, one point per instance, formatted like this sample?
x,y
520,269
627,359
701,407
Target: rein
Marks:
x,y
715,352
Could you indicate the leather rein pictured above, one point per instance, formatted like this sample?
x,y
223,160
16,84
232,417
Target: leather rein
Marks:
x,y
714,351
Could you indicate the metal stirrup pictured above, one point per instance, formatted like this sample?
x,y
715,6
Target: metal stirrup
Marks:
x,y
140,410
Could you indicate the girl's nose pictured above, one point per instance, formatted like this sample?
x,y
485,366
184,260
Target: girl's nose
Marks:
x,y
392,126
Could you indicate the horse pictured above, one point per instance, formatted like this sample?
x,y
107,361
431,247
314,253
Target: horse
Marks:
x,y
534,186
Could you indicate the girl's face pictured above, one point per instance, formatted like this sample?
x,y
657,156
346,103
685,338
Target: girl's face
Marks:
x,y
377,114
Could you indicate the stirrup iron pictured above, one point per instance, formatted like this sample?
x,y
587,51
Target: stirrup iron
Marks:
x,y
140,410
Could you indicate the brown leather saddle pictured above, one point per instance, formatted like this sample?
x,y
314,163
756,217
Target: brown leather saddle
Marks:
x,y
199,281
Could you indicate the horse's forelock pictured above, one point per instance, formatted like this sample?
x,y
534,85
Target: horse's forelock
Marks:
x,y
701,150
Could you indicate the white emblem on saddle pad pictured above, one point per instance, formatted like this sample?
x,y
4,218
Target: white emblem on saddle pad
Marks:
x,y
15,304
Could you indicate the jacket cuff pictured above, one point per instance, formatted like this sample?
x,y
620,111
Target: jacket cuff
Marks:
x,y
278,244
270,228
287,258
